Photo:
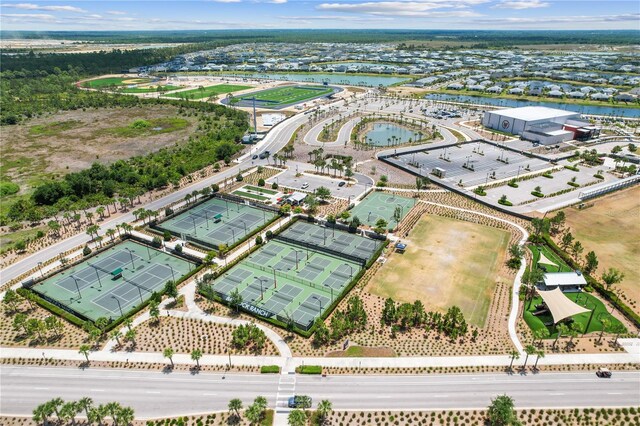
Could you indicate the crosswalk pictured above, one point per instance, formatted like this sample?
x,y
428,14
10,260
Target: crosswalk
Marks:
x,y
286,389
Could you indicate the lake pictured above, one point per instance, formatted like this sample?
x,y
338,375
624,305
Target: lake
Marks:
x,y
331,78
512,103
383,134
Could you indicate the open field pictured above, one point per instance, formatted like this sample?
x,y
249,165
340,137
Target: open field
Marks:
x,y
149,89
57,144
206,92
283,96
448,262
102,83
610,228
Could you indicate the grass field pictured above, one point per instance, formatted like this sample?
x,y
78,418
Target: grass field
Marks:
x,y
287,95
206,92
448,262
610,228
149,89
549,254
249,195
101,83
261,190
601,312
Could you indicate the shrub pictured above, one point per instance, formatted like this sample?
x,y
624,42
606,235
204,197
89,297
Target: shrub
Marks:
x,y
166,235
259,239
156,242
261,182
8,188
168,211
274,185
269,369
269,234
309,369
86,251
239,178
178,248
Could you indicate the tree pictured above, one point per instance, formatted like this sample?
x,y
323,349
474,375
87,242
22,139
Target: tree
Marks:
x,y
154,311
557,221
577,249
84,350
86,404
324,409
541,333
567,241
323,193
171,290
528,350
235,299
389,313
501,412
321,335
42,413
69,411
124,416
611,277
381,225
563,330
196,354
56,403
540,226
514,355
297,418
591,262
539,354
97,414
515,251
253,414
168,353
235,405
12,300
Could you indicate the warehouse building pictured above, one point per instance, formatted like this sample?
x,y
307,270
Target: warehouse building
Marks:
x,y
547,126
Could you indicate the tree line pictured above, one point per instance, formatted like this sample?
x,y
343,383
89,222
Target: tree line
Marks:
x,y
66,412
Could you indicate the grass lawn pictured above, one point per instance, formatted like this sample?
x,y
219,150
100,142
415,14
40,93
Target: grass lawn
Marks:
x,y
249,195
448,262
549,254
288,95
583,298
610,228
261,190
206,92
114,81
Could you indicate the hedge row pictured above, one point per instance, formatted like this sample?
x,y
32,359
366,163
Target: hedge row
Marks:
x,y
309,369
269,369
600,288
51,307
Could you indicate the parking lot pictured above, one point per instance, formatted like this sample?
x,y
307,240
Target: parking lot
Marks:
x,y
473,164
288,179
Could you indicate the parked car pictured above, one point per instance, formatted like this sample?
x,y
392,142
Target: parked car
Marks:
x,y
263,155
298,401
305,185
254,156
341,184
603,373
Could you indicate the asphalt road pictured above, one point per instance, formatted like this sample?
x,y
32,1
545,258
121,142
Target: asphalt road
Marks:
x,y
154,394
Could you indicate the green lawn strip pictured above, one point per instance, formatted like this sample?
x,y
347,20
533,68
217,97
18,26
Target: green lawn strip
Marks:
x,y
536,250
269,369
261,190
155,89
601,312
249,195
309,369
206,92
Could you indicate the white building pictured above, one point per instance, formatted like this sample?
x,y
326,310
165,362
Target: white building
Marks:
x,y
547,126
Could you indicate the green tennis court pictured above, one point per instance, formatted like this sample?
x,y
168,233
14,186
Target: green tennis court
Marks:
x,y
280,97
382,205
114,281
217,221
206,92
293,278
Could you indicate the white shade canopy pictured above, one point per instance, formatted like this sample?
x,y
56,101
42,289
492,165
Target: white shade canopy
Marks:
x,y
561,306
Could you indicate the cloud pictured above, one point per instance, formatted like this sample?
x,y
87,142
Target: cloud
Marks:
x,y
278,1
16,17
540,21
116,12
520,5
31,6
226,1
336,18
405,8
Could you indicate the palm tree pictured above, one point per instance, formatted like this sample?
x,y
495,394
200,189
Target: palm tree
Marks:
x,y
69,411
529,350
539,354
235,405
42,413
112,409
86,404
110,233
168,353
97,414
84,350
56,403
196,354
514,355
324,409
100,211
297,418
562,330
124,417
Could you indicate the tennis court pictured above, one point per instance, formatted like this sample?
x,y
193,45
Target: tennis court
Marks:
x,y
114,281
382,205
294,279
217,221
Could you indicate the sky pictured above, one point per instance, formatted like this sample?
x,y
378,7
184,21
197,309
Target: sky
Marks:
x,y
335,14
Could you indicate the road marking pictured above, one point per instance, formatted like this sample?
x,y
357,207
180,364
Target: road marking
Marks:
x,y
556,393
41,388
96,390
614,393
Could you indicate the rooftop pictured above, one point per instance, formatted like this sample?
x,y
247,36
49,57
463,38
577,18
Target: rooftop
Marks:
x,y
530,113
564,278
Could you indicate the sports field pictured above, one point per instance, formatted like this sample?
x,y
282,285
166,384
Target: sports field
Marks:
x,y
114,81
217,221
447,262
206,92
288,278
283,96
610,228
115,281
149,89
381,205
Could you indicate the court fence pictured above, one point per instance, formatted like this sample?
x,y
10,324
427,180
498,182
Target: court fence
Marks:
x,y
356,259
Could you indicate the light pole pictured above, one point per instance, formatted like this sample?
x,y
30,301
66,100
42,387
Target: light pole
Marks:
x,y
173,275
319,304
193,219
119,307
261,288
77,286
351,268
233,233
245,226
130,254
275,282
148,251
40,267
97,274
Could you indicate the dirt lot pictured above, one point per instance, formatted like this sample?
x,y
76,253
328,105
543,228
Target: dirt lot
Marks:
x,y
73,140
461,260
610,228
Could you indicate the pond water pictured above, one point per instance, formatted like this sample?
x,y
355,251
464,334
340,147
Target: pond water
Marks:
x,y
331,78
512,103
387,134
